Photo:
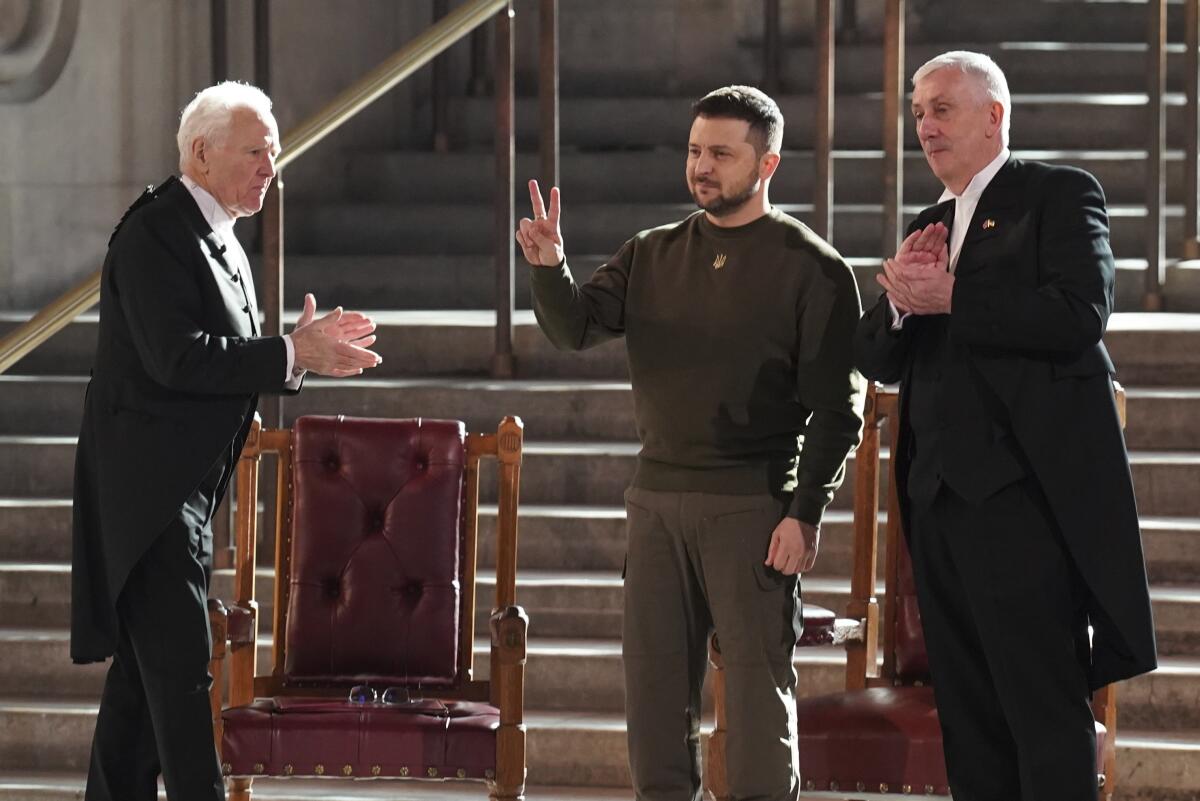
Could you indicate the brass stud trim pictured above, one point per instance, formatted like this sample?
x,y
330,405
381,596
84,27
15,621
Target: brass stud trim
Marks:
x,y
833,786
810,785
906,789
289,769
431,772
861,787
319,769
460,773
347,770
403,771
489,774
259,767
883,788
376,770
226,768
929,789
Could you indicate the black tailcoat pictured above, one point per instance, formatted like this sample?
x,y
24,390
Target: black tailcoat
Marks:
x,y
1032,296
179,366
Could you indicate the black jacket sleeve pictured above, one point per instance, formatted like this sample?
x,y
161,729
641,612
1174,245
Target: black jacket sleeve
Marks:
x,y
880,352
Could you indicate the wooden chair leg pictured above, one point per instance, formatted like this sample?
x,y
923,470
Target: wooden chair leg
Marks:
x,y
219,625
510,765
239,789
509,629
716,779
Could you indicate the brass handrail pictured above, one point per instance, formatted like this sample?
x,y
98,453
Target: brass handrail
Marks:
x,y
49,321
407,60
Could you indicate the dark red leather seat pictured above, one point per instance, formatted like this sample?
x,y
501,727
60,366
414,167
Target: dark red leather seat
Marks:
x,y
883,739
377,584
289,736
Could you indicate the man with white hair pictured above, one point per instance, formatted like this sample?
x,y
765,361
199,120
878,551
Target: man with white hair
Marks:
x,y
1011,468
180,363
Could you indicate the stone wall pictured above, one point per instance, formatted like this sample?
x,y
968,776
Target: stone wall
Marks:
x,y
76,154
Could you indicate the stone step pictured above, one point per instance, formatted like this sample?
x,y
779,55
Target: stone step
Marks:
x,y
577,409
1039,120
25,786
656,175
562,674
438,319
1058,66
592,380
591,474
577,749
1111,60
580,538
423,343
1060,20
1148,349
560,603
459,228
585,675
28,786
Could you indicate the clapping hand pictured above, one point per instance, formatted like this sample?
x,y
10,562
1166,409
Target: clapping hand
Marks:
x,y
916,279
541,238
336,344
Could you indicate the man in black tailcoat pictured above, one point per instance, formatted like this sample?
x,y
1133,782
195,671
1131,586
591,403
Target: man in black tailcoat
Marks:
x,y
180,363
1011,466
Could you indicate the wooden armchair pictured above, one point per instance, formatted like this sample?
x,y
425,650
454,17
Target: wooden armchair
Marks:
x,y
375,587
881,737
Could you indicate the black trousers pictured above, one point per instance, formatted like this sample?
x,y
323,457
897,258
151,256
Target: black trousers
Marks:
x,y
154,714
1002,606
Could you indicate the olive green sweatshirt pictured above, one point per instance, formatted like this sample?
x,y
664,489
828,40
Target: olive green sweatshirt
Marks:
x,y
739,343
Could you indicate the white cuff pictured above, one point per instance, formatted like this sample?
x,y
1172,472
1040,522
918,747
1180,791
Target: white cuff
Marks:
x,y
291,379
897,318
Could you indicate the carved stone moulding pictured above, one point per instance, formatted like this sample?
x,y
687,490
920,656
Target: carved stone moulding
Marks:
x,y
36,36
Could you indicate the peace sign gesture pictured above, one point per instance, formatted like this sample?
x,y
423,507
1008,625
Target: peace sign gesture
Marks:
x,y
540,238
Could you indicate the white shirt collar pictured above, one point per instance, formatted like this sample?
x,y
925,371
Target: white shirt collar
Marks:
x,y
214,213
980,181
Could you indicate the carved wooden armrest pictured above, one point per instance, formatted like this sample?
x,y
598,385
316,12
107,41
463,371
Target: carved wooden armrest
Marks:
x,y
232,624
218,624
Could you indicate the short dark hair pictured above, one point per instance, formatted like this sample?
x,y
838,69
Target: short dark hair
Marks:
x,y
749,104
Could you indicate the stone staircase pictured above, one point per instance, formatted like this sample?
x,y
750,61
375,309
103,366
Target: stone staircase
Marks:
x,y
411,233
579,458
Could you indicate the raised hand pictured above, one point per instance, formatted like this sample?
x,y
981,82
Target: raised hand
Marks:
x,y
336,344
541,238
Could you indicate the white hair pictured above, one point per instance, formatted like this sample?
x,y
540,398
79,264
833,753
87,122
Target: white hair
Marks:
x,y
209,114
986,74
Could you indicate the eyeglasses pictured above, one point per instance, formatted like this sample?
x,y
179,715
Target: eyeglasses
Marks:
x,y
363,694
392,696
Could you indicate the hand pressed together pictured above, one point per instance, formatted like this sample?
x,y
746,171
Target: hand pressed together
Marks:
x,y
916,278
336,344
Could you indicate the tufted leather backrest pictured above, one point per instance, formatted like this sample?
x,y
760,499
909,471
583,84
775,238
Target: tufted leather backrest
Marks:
x,y
912,662
377,540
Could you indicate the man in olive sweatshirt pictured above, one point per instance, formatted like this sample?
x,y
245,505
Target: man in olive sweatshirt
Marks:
x,y
738,323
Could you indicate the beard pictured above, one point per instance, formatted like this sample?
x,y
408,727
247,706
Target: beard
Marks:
x,y
724,203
